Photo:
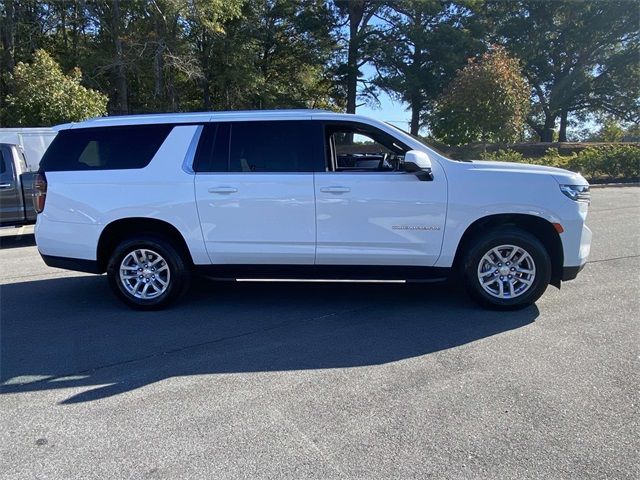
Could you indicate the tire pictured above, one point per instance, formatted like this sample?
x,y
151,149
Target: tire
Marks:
x,y
166,283
488,263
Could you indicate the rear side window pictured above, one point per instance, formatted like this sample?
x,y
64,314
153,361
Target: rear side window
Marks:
x,y
261,146
104,148
212,154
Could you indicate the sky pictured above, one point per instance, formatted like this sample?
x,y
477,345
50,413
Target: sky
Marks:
x,y
390,111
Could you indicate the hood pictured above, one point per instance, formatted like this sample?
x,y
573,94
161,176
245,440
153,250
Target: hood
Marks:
x,y
561,176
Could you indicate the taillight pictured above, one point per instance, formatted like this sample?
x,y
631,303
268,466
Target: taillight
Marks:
x,y
39,192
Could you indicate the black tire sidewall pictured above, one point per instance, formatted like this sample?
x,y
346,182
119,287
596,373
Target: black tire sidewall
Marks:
x,y
178,268
496,238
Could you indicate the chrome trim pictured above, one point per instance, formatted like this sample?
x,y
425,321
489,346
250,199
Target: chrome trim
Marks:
x,y
187,164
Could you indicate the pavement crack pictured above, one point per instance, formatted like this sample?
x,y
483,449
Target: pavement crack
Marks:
x,y
614,258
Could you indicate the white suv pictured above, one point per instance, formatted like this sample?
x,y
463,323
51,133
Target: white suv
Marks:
x,y
153,199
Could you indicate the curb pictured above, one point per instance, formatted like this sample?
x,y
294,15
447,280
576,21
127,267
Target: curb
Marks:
x,y
614,185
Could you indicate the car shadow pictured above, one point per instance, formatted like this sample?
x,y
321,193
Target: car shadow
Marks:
x,y
18,240
71,332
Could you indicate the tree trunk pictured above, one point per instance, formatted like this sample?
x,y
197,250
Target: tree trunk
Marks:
x,y
7,62
122,104
562,135
158,74
8,35
352,66
415,117
355,10
75,31
158,63
546,134
206,81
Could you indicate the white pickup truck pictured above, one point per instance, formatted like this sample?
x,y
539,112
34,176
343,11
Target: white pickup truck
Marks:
x,y
154,199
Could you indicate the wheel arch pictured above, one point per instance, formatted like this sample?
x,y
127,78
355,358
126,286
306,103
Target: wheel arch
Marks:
x,y
541,228
121,229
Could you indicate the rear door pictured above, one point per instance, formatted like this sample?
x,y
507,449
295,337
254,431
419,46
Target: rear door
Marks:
x,y
11,208
254,190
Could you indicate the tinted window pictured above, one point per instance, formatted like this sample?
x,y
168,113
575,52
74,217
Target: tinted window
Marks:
x,y
104,148
285,146
5,158
212,154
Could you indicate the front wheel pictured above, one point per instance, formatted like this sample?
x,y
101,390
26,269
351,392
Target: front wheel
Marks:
x,y
148,273
507,269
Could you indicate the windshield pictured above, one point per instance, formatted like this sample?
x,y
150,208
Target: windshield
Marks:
x,y
428,145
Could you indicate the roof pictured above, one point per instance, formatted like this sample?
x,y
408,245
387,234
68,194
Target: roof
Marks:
x,y
195,117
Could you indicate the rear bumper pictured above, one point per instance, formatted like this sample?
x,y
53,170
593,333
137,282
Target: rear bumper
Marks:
x,y
569,273
76,264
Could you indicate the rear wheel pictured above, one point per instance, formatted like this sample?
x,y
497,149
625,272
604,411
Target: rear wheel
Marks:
x,y
507,269
148,273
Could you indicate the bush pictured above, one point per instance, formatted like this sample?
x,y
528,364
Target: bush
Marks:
x,y
44,95
608,162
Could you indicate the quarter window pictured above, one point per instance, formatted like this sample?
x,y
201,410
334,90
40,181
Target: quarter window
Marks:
x,y
104,148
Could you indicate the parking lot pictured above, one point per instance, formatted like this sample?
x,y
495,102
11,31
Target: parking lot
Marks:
x,y
324,380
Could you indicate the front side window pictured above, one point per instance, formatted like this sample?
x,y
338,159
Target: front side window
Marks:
x,y
354,147
260,146
104,148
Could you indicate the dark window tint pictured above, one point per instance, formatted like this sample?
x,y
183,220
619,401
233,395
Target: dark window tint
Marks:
x,y
104,148
285,146
213,150
289,146
5,158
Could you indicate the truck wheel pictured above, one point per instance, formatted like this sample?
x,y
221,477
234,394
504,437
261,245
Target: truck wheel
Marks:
x,y
148,273
506,269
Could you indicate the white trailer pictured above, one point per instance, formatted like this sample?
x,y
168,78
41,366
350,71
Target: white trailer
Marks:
x,y
34,142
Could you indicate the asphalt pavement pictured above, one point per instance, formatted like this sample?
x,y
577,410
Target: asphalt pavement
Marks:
x,y
324,380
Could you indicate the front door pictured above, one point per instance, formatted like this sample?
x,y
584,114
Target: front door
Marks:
x,y
254,191
371,212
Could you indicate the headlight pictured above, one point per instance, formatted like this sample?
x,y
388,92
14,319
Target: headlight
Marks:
x,y
579,193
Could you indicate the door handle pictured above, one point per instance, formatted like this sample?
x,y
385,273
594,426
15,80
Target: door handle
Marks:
x,y
223,190
5,186
335,189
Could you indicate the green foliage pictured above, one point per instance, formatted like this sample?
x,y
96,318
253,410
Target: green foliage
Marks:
x,y
276,55
488,101
621,161
44,95
579,56
425,43
507,155
611,161
611,131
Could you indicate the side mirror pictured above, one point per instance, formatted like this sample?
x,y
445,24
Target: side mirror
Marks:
x,y
419,163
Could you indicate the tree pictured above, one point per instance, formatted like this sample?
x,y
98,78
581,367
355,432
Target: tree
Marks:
x,y
426,42
357,15
578,56
488,101
44,95
275,55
